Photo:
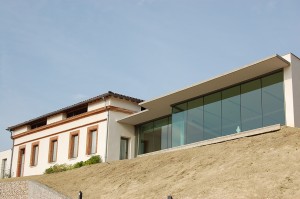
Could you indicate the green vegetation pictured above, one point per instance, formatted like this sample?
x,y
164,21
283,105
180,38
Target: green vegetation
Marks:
x,y
64,167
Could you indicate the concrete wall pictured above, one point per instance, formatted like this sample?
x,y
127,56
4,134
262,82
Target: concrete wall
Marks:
x,y
4,173
116,131
292,91
28,189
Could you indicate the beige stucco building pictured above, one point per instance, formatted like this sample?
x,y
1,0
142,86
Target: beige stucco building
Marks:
x,y
74,134
5,161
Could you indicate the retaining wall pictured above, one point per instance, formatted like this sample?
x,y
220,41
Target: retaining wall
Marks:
x,y
27,190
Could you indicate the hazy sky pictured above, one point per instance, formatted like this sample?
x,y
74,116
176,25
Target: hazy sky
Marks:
x,y
54,53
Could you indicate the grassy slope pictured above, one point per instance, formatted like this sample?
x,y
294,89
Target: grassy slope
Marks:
x,y
264,166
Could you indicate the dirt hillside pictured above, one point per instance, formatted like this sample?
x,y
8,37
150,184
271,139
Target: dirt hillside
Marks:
x,y
264,166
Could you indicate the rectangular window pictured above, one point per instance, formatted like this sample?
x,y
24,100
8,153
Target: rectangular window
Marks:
x,y
77,111
147,142
194,131
231,110
38,124
34,154
179,115
273,99
251,110
124,148
21,161
74,144
92,137
212,116
53,149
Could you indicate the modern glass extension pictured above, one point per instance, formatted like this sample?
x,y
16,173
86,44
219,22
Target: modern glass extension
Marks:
x,y
250,105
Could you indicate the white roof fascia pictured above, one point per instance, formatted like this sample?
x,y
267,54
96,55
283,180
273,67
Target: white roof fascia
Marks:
x,y
161,106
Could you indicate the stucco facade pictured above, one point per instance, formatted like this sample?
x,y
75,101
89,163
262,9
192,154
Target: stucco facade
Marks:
x,y
101,116
5,161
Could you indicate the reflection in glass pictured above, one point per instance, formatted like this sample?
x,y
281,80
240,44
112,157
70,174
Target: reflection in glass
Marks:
x,y
178,124
251,111
160,133
247,106
146,143
231,114
212,115
194,121
273,99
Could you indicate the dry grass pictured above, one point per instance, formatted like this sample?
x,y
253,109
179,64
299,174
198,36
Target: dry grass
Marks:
x,y
264,166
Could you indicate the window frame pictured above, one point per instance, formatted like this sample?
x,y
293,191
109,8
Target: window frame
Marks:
x,y
51,147
71,144
32,154
89,139
19,165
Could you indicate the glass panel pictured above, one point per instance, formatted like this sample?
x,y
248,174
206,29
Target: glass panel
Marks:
x,y
178,124
75,146
146,142
231,111
212,116
93,141
160,134
194,130
251,110
36,152
273,99
124,149
169,132
54,153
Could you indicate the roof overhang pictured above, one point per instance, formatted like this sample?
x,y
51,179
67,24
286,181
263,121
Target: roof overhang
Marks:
x,y
161,106
82,103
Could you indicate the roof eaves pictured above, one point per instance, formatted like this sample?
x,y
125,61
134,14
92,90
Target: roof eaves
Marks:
x,y
108,94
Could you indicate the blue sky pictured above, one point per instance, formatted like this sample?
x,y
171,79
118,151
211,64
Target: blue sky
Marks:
x,y
54,53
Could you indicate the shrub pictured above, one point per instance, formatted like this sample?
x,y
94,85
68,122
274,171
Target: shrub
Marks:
x,y
93,160
78,165
64,167
57,168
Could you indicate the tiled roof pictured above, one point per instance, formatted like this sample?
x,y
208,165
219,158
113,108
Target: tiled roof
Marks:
x,y
85,102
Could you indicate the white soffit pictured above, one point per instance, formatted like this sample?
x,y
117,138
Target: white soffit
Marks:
x,y
161,106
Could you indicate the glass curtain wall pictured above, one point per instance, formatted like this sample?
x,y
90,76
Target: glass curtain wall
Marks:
x,y
155,135
247,106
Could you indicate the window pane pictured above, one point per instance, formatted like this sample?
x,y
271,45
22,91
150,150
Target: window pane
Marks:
x,y
146,142
178,124
93,141
75,146
231,110
22,162
212,116
36,152
273,99
123,149
54,152
251,110
160,134
194,131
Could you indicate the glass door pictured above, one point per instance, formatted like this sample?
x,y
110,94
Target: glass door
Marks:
x,y
124,148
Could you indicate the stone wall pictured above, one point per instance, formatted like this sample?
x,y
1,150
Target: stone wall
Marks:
x,y
27,190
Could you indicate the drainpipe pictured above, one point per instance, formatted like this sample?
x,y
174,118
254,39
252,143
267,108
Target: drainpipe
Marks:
x,y
12,153
107,129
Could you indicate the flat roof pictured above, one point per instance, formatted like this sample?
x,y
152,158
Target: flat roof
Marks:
x,y
161,106
79,104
